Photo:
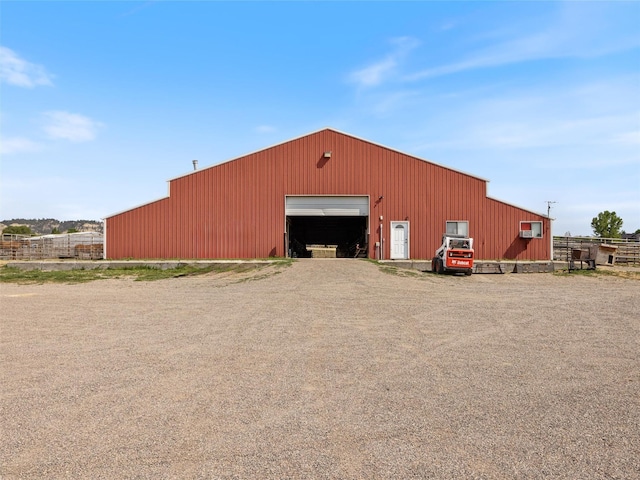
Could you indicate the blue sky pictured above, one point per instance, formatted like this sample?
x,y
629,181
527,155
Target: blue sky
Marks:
x,y
102,102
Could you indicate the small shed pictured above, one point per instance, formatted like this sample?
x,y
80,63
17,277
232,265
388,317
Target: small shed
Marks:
x,y
606,254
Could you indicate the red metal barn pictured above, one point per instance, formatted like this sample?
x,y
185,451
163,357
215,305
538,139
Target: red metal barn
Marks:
x,y
325,188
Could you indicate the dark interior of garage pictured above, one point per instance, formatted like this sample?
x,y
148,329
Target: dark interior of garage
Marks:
x,y
347,234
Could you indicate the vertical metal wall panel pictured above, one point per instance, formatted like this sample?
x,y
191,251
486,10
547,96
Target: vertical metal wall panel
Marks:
x,y
236,209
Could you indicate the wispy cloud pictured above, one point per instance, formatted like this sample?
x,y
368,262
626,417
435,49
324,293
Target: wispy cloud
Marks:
x,y
554,126
540,130
574,33
138,8
534,47
14,145
627,138
379,71
70,126
20,73
592,134
265,129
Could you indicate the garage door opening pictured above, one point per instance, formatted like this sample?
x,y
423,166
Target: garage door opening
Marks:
x,y
327,226
342,237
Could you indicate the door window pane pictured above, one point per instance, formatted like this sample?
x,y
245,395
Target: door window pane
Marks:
x,y
458,228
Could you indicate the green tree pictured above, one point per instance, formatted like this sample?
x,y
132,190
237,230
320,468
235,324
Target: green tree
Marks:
x,y
17,230
607,224
72,230
55,230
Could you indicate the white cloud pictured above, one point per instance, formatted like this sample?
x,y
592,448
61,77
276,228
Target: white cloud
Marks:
x,y
15,145
379,71
540,130
587,116
21,194
627,138
70,126
534,47
20,73
574,33
373,74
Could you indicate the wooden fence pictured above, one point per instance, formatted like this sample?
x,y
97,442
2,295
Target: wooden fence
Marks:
x,y
628,252
73,245
20,247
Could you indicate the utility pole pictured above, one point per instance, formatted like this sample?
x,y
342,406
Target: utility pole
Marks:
x,y
549,203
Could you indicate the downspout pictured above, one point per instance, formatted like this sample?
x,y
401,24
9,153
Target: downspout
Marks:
x,y
549,203
551,240
104,240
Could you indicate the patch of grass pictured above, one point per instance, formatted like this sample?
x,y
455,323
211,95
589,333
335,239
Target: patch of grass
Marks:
x,y
284,262
150,274
262,276
388,269
15,275
145,273
599,272
400,272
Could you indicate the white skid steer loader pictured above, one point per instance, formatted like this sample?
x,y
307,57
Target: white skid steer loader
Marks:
x,y
454,255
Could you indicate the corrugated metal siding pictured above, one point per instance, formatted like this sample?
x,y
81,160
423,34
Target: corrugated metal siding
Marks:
x,y
236,209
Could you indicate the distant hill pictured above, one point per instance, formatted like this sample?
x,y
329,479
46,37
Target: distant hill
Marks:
x,y
44,226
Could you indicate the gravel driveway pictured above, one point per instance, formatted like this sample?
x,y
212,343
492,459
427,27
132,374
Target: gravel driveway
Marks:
x,y
328,369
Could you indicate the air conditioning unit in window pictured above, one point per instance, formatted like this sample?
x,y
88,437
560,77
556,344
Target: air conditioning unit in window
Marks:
x,y
526,233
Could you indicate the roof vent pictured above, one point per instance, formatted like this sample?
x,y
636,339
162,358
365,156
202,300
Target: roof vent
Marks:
x,y
195,164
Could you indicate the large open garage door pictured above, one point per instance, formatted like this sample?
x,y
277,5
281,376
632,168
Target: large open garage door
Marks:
x,y
331,224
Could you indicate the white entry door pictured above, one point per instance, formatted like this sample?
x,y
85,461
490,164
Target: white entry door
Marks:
x,y
399,240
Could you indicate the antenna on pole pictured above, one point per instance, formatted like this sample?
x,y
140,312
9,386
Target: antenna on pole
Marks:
x,y
549,203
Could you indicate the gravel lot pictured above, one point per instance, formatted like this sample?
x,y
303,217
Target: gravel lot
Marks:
x,y
328,369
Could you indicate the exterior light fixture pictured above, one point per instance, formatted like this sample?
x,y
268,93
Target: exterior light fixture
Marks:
x,y
327,154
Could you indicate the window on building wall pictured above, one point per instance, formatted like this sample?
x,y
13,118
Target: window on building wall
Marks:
x,y
531,229
458,228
